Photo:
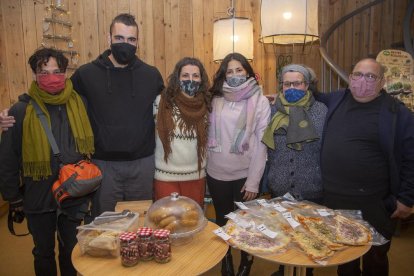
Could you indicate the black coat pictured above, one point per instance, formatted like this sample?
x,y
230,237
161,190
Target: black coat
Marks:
x,y
37,195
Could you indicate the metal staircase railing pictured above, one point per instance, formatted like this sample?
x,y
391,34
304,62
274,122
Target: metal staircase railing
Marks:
x,y
331,72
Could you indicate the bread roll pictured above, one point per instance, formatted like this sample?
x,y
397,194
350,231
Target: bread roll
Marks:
x,y
189,222
190,215
172,226
106,240
187,206
166,221
159,214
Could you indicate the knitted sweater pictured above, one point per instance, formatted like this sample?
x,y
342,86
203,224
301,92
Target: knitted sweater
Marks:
x,y
228,166
297,172
182,162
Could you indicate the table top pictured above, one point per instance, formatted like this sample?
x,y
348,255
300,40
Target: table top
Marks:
x,y
196,257
294,257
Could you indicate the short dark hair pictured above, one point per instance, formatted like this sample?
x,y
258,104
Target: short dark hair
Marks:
x,y
124,18
41,57
220,76
173,85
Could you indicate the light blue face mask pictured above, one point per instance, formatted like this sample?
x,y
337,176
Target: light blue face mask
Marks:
x,y
292,95
235,81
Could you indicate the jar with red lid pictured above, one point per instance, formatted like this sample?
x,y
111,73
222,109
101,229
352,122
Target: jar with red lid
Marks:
x,y
129,248
162,246
145,243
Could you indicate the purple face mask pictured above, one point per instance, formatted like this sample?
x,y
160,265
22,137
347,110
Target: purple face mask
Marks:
x,y
363,89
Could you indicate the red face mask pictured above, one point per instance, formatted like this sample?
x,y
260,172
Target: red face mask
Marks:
x,y
51,83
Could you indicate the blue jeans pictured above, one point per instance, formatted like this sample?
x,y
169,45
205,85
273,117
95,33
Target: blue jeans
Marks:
x,y
42,227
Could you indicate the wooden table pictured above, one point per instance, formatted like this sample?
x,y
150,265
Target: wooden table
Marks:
x,y
194,258
140,207
293,258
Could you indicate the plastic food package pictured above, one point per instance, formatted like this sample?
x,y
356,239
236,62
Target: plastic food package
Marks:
x,y
179,214
250,230
101,237
314,229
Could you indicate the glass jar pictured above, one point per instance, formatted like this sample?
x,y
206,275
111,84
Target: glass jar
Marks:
x,y
162,246
129,249
145,244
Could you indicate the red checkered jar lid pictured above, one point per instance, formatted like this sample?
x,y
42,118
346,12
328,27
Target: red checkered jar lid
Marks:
x,y
144,232
161,233
128,236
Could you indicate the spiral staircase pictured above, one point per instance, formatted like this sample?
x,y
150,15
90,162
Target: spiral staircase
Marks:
x,y
333,74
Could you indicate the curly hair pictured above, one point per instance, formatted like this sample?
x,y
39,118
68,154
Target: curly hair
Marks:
x,y
41,57
173,86
220,76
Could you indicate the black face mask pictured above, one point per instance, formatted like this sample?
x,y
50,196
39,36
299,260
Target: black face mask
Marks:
x,y
123,52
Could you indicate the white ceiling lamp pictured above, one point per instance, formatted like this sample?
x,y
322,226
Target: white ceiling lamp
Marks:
x,y
232,34
289,21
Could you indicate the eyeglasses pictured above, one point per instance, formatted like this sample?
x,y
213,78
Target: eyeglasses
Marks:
x,y
44,73
369,77
294,83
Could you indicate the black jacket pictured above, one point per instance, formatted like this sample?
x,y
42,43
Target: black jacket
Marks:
x,y
396,128
120,106
37,195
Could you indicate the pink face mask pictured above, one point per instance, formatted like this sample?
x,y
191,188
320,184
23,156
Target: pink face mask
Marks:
x,y
362,89
51,83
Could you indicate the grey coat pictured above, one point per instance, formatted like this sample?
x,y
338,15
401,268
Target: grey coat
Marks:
x,y
297,172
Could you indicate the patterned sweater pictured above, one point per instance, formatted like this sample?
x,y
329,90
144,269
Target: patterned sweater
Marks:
x,y
182,162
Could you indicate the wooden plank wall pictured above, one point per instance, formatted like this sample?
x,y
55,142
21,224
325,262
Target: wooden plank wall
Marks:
x,y
172,29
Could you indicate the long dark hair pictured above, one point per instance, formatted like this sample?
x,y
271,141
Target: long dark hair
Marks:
x,y
220,76
173,86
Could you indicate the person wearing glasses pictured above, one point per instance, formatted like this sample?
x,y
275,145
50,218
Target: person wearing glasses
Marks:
x,y
26,159
367,158
293,138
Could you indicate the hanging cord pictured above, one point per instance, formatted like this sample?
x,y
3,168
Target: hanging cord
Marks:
x,y
306,26
230,12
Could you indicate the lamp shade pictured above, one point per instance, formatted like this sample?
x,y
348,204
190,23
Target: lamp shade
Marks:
x,y
289,22
227,40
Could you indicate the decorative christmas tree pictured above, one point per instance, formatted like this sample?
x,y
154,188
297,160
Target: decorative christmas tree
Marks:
x,y
57,32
